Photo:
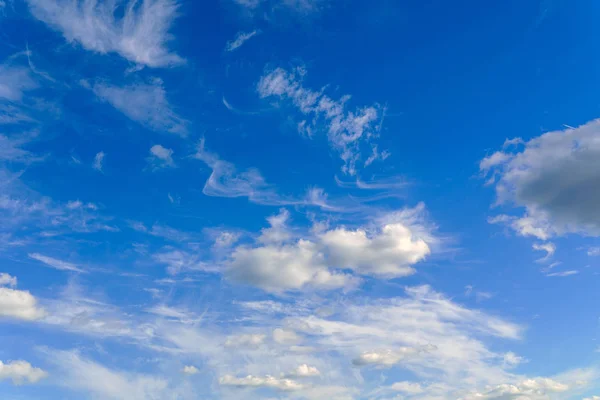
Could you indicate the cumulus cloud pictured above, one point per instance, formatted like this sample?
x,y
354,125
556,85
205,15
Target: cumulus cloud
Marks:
x,y
98,161
239,40
19,304
7,280
137,30
161,157
554,178
20,372
534,389
267,381
145,103
348,132
190,370
386,358
55,263
304,371
283,262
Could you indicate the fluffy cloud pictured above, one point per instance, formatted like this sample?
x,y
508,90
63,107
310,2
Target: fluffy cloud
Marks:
x,y
387,358
305,371
21,372
283,262
161,157
7,280
190,370
240,39
554,178
55,263
283,384
19,304
349,132
534,389
145,103
137,31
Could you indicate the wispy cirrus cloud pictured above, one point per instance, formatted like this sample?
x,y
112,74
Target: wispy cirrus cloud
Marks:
x,y
145,103
239,40
55,263
136,30
350,133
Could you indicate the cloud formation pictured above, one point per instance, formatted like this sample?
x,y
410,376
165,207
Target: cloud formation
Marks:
x,y
21,372
348,132
137,30
554,178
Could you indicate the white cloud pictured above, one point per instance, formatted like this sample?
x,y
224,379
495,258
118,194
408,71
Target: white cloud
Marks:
x,y
98,161
190,370
178,261
563,273
283,384
549,248
285,336
282,262
7,280
55,263
138,31
304,371
349,132
19,304
161,157
14,81
11,149
407,387
145,103
554,179
534,389
240,39
226,239
387,358
21,372
95,380
593,251
250,340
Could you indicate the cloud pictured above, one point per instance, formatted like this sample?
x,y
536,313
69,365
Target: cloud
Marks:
x,y
93,379
563,273
349,132
162,231
55,263
19,304
98,161
240,39
593,251
246,340
267,381
161,157
21,372
7,280
386,358
145,103
178,261
282,262
549,248
534,389
14,81
190,370
304,371
138,31
409,388
555,179
285,336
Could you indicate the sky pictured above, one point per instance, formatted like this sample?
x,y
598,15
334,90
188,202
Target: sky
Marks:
x,y
299,199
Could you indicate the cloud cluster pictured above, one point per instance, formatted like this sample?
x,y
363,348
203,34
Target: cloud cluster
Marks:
x,y
554,178
17,304
281,262
349,132
20,372
137,30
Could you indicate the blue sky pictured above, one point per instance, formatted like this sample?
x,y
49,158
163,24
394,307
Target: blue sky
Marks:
x,y
299,199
